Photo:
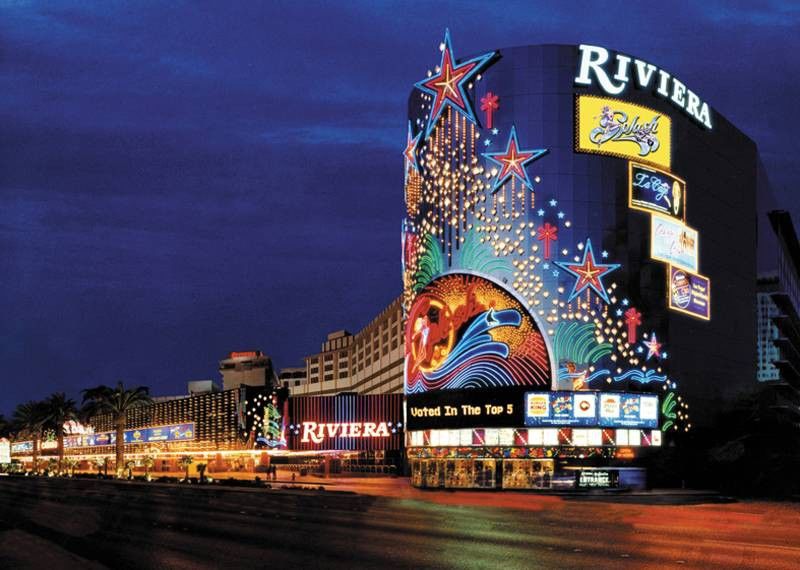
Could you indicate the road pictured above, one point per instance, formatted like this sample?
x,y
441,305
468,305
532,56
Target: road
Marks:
x,y
95,524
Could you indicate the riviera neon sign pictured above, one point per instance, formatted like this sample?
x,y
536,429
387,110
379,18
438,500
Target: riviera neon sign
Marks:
x,y
314,432
593,60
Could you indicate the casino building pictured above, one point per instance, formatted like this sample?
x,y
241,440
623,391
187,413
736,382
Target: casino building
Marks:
x,y
568,209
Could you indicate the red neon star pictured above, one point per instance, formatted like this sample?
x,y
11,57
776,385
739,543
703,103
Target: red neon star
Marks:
x,y
448,85
589,273
512,162
410,152
653,347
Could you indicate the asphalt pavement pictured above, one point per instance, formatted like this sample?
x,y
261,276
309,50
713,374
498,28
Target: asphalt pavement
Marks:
x,y
50,523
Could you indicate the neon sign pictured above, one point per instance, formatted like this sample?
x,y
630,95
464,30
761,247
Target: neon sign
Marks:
x,y
317,432
622,129
244,354
689,293
653,190
673,242
593,62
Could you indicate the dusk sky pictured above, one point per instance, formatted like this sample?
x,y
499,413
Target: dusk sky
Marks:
x,y
179,180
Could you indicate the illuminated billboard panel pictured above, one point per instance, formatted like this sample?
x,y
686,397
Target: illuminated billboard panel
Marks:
x,y
689,293
653,190
604,409
464,331
618,128
673,242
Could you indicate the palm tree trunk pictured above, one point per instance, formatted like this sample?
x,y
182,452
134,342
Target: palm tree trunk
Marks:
x,y
120,447
35,455
60,440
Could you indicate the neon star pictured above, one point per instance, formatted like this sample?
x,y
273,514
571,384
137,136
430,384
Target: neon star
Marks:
x,y
554,202
653,346
512,162
410,153
495,131
561,215
448,85
540,212
589,273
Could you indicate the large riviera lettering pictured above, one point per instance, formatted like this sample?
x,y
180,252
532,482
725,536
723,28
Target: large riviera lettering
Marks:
x,y
594,65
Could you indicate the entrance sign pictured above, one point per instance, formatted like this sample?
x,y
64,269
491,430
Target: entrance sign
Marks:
x,y
314,432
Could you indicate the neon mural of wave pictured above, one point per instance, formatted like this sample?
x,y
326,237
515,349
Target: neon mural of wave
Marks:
x,y
478,361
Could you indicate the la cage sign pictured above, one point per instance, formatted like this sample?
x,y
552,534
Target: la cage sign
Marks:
x,y
595,64
317,432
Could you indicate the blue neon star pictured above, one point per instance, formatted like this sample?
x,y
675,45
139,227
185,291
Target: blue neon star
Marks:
x,y
495,131
448,85
512,162
554,202
561,215
410,152
540,212
555,272
545,265
619,312
626,302
589,273
486,142
604,253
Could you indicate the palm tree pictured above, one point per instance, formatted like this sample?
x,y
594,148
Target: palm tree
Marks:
x,y
58,410
29,420
117,402
148,461
185,462
201,470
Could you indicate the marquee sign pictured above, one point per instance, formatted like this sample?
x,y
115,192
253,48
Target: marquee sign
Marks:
x,y
673,242
317,433
618,128
5,450
689,293
653,190
594,64
465,408
346,422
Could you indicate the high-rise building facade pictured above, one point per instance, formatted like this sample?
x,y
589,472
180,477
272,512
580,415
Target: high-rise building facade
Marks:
x,y
778,306
368,362
570,211
766,330
247,368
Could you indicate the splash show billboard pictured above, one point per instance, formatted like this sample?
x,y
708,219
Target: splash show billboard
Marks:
x,y
525,307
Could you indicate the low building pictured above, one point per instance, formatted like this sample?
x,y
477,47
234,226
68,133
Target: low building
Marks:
x,y
228,430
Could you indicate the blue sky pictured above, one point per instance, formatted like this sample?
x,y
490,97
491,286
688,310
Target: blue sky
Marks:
x,y
178,180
